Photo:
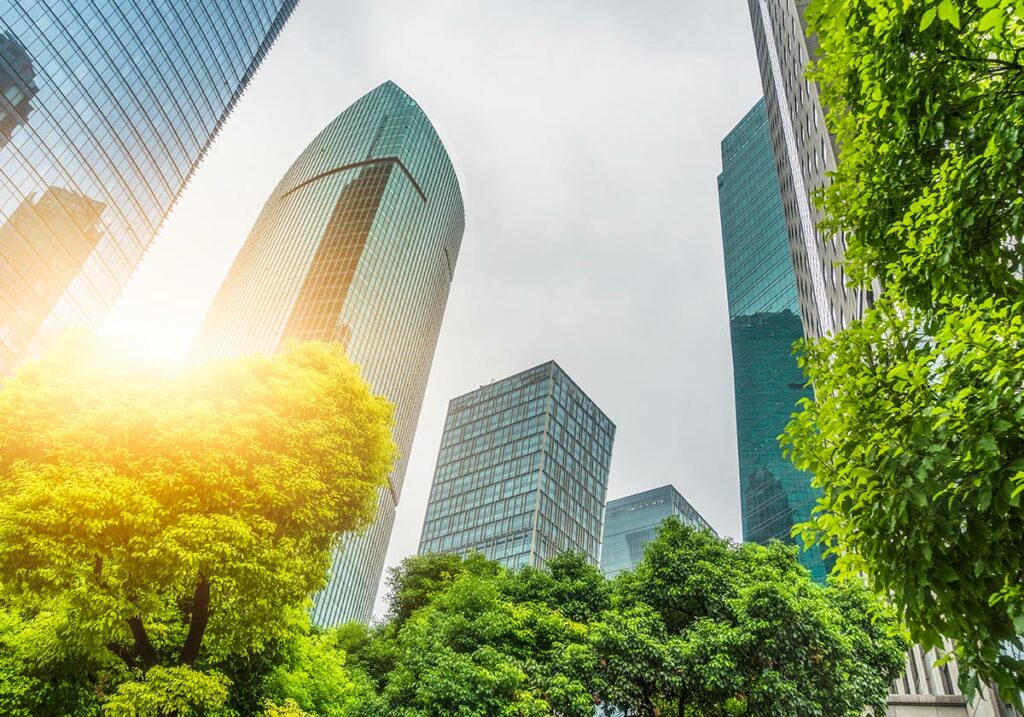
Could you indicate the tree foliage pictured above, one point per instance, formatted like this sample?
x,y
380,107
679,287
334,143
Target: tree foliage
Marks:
x,y
42,676
916,433
174,518
742,630
702,628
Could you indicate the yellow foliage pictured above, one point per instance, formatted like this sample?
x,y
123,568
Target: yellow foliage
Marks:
x,y
125,485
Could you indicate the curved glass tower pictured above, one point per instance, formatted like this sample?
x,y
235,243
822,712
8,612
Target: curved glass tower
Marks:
x,y
356,244
106,108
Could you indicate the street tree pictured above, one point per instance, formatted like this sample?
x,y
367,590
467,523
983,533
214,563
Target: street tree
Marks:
x,y
175,517
705,628
916,433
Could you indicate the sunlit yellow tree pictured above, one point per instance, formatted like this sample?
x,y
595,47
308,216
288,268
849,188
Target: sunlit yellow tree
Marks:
x,y
176,515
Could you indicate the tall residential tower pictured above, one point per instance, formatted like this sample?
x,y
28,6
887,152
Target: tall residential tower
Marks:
x,y
522,471
356,244
106,109
764,323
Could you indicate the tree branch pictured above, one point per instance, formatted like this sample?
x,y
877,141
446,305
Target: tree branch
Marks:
x,y
125,653
197,623
143,647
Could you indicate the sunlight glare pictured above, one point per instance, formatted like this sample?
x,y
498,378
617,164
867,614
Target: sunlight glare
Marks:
x,y
150,341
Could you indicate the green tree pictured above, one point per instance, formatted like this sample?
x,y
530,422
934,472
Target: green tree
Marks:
x,y
180,691
703,628
418,578
568,583
177,517
313,675
42,676
470,651
916,435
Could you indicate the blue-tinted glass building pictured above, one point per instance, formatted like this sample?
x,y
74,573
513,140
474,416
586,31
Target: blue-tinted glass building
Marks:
x,y
357,244
522,471
630,523
106,108
764,316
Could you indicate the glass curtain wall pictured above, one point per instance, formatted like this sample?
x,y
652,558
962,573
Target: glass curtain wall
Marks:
x,y
106,108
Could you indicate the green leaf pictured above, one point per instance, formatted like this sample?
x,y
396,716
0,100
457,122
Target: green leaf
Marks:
x,y
927,18
949,13
991,19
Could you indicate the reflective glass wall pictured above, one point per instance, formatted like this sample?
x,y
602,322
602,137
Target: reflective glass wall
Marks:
x,y
630,523
522,471
764,315
106,107
357,244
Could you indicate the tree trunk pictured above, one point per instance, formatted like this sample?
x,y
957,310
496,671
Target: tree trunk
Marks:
x,y
197,623
143,647
125,653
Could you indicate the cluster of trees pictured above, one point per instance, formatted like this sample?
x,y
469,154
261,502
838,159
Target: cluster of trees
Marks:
x,y
157,526
916,436
701,628
161,532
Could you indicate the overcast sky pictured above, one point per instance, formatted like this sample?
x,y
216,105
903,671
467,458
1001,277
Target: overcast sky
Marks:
x,y
585,134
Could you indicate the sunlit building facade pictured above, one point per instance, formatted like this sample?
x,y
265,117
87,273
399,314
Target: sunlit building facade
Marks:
x,y
357,244
764,323
522,472
630,523
106,109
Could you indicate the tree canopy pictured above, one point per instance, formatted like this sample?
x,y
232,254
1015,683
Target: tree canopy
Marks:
x,y
175,517
916,434
702,628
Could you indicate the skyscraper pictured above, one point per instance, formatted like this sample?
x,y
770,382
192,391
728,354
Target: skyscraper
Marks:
x,y
630,523
106,108
804,153
764,323
357,244
522,471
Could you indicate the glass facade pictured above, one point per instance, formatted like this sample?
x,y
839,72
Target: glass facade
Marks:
x,y
632,522
764,315
522,472
106,107
356,244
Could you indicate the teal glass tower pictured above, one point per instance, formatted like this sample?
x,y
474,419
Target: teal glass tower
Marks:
x,y
106,108
630,523
522,472
357,244
764,316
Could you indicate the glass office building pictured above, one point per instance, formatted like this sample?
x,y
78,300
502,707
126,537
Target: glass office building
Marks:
x,y
356,244
632,522
764,316
522,472
106,108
